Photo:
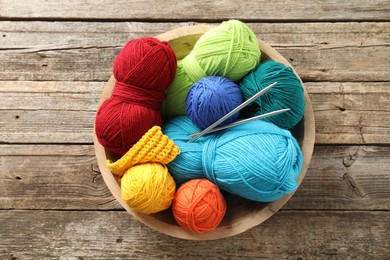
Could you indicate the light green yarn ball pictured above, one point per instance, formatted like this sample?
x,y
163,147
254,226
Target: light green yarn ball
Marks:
x,y
229,50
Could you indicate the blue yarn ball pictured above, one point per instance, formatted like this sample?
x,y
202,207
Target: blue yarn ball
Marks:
x,y
288,93
210,98
257,160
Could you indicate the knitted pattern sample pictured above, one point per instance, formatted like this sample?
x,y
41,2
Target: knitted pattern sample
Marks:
x,y
153,146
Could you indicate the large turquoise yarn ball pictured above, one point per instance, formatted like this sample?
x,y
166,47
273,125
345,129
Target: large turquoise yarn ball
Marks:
x,y
257,160
287,93
229,50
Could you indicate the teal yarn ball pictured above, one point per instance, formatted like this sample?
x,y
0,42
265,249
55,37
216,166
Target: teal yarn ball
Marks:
x,y
287,93
210,98
229,50
257,160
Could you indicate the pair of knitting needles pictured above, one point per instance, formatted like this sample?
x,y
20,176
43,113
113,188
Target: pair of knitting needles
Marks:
x,y
212,128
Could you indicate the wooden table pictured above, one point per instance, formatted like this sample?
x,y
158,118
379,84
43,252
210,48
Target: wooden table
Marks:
x,y
55,57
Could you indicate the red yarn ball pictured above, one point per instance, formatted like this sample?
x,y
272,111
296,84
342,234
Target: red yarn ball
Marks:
x,y
143,70
199,206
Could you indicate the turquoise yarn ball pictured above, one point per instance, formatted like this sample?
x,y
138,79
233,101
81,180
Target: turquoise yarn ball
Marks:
x,y
210,98
257,160
288,93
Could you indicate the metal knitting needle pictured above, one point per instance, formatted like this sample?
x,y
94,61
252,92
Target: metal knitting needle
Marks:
x,y
247,102
240,122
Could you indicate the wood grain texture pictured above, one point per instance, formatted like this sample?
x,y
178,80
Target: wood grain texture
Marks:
x,y
64,112
351,113
296,10
114,235
68,35
76,51
67,177
345,177
59,177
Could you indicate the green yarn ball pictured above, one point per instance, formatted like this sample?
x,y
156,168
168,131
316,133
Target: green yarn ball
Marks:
x,y
287,93
229,50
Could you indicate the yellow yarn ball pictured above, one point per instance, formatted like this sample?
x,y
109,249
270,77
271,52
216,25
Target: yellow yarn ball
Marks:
x,y
148,188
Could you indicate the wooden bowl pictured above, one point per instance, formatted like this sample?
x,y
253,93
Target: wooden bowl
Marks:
x,y
241,214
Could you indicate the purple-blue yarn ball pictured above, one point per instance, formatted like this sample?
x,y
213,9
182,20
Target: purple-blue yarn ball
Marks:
x,y
210,98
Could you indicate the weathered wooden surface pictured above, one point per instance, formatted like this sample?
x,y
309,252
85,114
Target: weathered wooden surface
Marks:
x,y
318,51
112,235
67,177
55,57
278,10
63,112
351,113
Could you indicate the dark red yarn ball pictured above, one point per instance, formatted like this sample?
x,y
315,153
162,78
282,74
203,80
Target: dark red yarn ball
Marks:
x,y
143,70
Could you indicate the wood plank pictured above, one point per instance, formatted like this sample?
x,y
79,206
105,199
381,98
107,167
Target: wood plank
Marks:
x,y
67,177
68,35
74,51
44,177
64,112
296,10
48,112
345,177
351,113
115,235
72,35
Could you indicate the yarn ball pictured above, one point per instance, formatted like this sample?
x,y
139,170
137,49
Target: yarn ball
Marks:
x,y
211,98
148,188
229,50
199,206
287,93
257,160
143,70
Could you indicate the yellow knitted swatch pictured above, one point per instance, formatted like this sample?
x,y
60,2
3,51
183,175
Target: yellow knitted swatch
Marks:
x,y
148,188
153,146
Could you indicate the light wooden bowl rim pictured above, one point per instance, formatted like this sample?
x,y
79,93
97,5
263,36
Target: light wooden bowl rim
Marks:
x,y
307,146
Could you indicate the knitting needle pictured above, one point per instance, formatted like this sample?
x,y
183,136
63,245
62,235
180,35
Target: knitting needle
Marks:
x,y
240,122
247,102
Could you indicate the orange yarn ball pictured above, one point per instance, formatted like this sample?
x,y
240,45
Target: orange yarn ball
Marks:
x,y
199,206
